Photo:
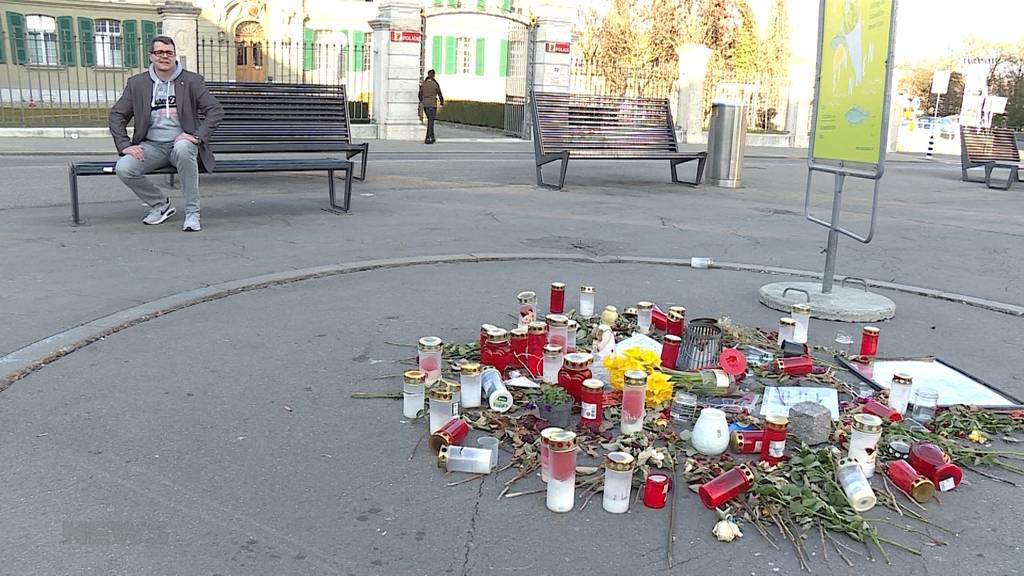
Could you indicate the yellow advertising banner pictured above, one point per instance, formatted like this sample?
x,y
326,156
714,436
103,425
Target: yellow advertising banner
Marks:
x,y
852,71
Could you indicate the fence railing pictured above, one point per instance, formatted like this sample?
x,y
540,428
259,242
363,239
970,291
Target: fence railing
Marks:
x,y
766,99
599,79
63,81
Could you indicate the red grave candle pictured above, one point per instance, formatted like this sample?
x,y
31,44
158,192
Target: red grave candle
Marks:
x,y
746,441
869,341
659,319
882,411
909,480
591,402
670,351
557,301
773,446
725,486
536,338
575,369
484,329
562,455
934,464
518,343
453,432
795,365
675,321
656,490
497,350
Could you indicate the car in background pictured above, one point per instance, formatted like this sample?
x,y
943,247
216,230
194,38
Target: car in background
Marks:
x,y
945,126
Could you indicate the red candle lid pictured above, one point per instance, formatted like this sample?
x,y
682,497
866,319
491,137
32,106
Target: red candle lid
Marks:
x,y
733,361
947,477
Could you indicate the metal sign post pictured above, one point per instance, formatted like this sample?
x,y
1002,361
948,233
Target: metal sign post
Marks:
x,y
848,139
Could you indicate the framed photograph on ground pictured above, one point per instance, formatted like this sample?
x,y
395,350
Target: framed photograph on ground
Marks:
x,y
953,384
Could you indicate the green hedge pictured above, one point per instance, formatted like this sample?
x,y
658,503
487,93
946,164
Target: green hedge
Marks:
x,y
490,114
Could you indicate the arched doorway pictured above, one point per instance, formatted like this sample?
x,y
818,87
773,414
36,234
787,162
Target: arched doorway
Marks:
x,y
249,53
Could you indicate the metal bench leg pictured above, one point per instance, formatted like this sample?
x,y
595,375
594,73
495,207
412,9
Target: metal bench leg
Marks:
x,y
564,157
346,205
76,218
347,197
674,164
1000,185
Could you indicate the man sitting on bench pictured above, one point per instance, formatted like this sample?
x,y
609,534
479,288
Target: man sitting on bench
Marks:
x,y
166,103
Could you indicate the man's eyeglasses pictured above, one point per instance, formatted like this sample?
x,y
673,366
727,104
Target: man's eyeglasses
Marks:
x,y
162,53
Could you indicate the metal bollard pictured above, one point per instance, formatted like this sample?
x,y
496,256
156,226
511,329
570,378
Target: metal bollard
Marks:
x,y
727,137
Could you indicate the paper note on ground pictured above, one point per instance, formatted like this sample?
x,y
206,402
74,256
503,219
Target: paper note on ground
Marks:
x,y
777,400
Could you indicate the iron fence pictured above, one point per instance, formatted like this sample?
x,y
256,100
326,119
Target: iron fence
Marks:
x,y
61,80
766,99
603,79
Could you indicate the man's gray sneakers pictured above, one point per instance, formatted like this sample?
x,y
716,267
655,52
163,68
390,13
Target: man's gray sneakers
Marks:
x,y
192,222
160,213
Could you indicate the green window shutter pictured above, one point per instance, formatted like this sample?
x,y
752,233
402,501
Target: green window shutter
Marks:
x,y
148,33
481,5
506,5
3,50
438,2
86,47
307,48
503,59
66,40
453,3
480,56
130,32
358,45
435,53
449,54
16,29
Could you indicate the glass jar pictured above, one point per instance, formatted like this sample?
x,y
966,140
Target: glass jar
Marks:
x,y
591,402
464,459
644,311
683,410
773,447
552,363
556,303
558,329
498,396
925,402
910,481
725,486
497,351
618,481
869,341
442,407
545,441
536,338
864,436
561,491
527,307
469,377
429,357
518,342
787,329
634,391
670,346
587,297
571,328
413,393
801,314
855,485
575,369
899,392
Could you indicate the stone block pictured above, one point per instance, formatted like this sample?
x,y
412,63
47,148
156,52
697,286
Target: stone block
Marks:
x,y
810,422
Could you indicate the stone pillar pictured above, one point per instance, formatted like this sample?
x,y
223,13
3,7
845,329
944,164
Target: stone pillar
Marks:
x,y
552,41
693,64
181,22
396,70
801,101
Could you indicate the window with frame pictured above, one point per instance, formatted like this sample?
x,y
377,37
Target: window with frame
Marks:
x,y
463,56
367,51
41,39
109,43
160,28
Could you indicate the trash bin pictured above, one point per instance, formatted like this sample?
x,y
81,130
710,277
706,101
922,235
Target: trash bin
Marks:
x,y
727,137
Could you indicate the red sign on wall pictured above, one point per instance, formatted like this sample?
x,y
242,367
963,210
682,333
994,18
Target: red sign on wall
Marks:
x,y
557,47
405,36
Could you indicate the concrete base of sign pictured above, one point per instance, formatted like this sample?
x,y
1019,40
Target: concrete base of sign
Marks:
x,y
842,304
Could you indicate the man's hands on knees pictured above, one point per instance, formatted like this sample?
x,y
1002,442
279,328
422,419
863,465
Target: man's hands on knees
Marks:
x,y
189,137
135,152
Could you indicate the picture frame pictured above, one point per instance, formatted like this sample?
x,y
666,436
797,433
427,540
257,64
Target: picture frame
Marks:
x,y
954,385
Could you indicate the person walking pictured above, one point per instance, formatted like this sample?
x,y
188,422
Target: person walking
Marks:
x,y
430,96
166,103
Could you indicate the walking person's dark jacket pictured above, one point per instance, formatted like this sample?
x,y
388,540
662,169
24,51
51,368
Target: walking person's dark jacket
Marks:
x,y
430,93
193,100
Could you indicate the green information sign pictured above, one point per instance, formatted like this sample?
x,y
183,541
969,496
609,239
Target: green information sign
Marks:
x,y
853,62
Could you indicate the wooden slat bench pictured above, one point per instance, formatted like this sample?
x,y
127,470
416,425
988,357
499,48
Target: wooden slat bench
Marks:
x,y
989,148
605,128
279,119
